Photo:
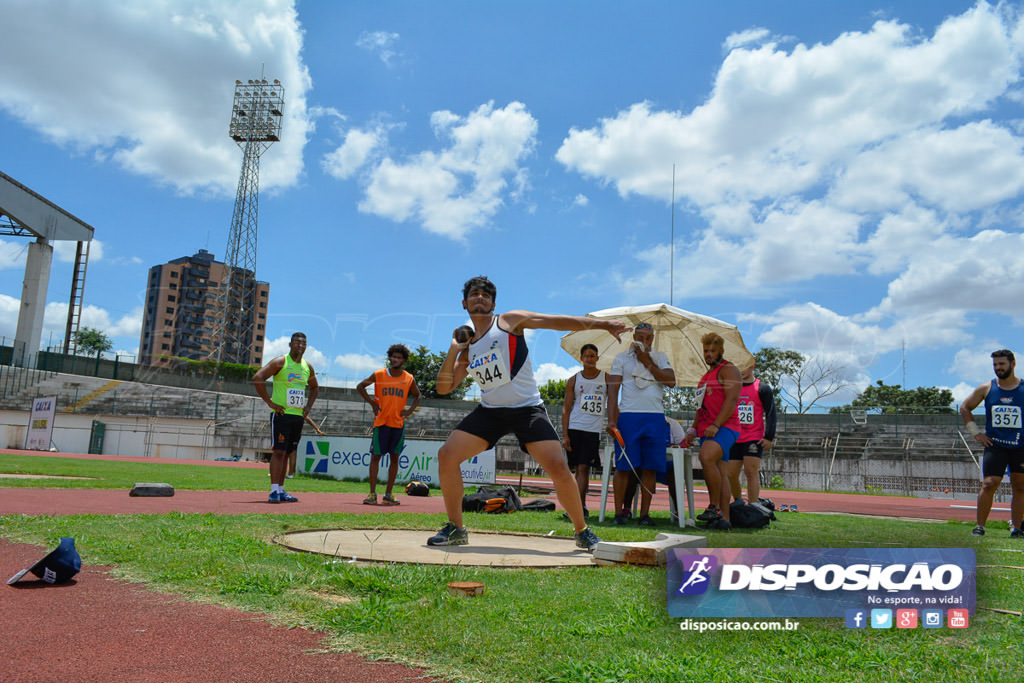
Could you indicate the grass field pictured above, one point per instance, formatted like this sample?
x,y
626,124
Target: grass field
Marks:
x,y
579,624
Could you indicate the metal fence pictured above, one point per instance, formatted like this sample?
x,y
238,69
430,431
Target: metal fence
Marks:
x,y
864,449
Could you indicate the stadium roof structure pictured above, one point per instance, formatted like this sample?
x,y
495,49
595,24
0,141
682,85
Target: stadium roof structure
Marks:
x,y
39,215
24,212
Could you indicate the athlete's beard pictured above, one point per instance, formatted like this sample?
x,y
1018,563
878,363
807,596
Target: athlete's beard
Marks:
x,y
494,305
1003,374
717,360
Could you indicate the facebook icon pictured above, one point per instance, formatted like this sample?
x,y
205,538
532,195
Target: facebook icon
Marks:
x,y
856,618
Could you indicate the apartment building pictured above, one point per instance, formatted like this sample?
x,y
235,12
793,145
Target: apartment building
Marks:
x,y
182,311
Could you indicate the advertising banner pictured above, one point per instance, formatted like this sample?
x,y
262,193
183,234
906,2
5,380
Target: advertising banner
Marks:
x,y
818,582
345,457
40,423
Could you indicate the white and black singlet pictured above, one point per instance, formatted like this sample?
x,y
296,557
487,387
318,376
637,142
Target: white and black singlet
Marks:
x,y
499,362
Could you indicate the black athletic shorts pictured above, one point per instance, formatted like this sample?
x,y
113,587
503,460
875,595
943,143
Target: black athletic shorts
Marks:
x,y
996,458
747,449
529,424
586,448
389,440
286,430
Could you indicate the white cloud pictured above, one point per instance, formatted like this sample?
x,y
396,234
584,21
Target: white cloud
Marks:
x,y
545,372
460,188
779,127
777,122
359,362
742,38
9,309
382,43
129,325
961,391
850,157
960,274
278,347
580,200
150,85
852,344
65,251
13,254
973,363
818,331
55,318
969,167
348,158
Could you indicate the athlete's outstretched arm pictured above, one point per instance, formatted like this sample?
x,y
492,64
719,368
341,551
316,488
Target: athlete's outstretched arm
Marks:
x,y
517,321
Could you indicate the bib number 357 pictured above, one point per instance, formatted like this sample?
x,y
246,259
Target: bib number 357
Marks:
x,y
1006,417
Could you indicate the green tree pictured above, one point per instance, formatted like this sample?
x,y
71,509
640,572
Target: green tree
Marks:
x,y
680,399
553,391
892,398
423,366
799,381
91,340
773,364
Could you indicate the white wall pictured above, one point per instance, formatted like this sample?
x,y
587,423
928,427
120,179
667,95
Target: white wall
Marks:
x,y
158,437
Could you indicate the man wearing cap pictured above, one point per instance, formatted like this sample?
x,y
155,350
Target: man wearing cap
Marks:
x,y
756,412
1003,438
638,414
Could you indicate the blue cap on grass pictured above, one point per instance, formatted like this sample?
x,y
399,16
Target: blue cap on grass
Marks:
x,y
57,567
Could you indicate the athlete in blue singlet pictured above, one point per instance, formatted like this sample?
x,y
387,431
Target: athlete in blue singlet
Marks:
x,y
1003,438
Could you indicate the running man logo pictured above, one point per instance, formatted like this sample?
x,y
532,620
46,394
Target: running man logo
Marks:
x,y
315,450
697,570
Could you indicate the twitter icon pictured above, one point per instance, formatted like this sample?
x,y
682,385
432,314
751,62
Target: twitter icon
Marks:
x,y
881,618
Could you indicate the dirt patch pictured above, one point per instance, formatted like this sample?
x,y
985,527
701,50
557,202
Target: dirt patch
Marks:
x,y
486,548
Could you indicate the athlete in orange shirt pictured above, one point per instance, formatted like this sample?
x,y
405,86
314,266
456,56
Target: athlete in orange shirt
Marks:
x,y
392,388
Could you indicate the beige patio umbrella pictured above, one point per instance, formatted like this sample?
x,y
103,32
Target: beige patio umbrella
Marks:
x,y
677,333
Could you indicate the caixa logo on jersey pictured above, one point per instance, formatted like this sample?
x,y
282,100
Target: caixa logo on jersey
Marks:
x,y
816,582
482,360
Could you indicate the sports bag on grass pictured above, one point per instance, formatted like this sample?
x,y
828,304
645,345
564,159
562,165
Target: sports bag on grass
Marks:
x,y
417,488
749,515
485,500
539,505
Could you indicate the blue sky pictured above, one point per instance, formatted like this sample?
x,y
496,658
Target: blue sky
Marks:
x,y
848,176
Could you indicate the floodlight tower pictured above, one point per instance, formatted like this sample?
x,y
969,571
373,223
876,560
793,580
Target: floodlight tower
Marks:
x,y
255,125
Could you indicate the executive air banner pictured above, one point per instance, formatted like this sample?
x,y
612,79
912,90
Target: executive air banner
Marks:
x,y
817,582
349,457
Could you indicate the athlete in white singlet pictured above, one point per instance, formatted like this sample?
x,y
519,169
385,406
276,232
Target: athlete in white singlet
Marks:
x,y
497,358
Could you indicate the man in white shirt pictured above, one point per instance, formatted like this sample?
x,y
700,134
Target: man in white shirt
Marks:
x,y
639,415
